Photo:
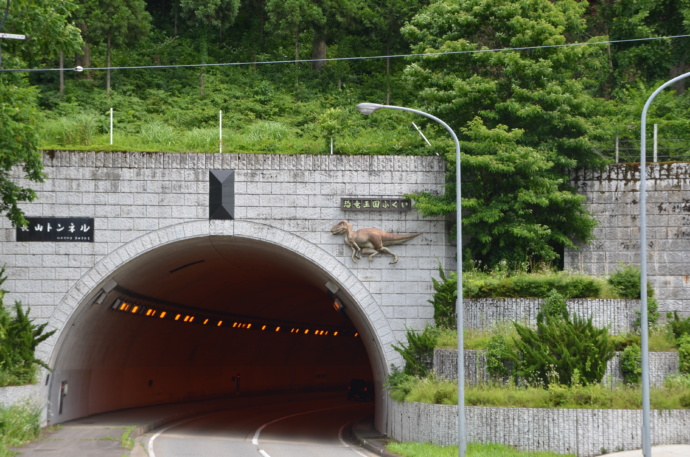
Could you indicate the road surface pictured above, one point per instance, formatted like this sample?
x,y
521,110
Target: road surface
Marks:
x,y
312,428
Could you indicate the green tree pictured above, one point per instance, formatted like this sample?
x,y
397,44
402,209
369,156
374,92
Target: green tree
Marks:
x,y
523,117
48,32
113,22
208,15
322,17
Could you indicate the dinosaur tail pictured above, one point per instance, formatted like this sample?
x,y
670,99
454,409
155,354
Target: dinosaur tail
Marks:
x,y
393,238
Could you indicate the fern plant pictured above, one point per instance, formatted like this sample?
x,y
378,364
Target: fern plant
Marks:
x,y
19,337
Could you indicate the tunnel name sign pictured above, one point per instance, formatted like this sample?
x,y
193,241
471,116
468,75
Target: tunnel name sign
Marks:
x,y
57,229
375,204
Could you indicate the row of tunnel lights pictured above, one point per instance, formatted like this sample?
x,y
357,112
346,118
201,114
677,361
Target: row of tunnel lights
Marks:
x,y
141,310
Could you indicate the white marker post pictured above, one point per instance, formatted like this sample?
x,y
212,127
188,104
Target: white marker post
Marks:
x,y
220,131
111,126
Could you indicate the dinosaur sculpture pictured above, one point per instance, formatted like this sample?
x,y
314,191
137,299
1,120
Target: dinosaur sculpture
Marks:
x,y
369,241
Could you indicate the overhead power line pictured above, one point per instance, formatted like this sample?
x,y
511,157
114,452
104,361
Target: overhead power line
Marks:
x,y
340,59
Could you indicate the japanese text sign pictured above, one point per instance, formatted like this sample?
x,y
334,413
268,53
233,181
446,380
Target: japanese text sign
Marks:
x,y
57,229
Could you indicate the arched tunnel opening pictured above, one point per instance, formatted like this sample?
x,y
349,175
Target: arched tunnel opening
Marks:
x,y
205,317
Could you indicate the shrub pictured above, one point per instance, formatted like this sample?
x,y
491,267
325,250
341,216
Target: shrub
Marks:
x,y
562,349
499,363
684,353
626,282
399,384
631,364
678,326
523,285
419,351
444,299
677,381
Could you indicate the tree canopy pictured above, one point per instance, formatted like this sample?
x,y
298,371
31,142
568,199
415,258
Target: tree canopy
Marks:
x,y
524,117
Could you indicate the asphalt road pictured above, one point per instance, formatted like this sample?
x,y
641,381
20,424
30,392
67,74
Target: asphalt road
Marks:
x,y
312,428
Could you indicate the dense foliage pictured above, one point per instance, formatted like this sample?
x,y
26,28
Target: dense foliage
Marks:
x,y
679,327
19,337
562,349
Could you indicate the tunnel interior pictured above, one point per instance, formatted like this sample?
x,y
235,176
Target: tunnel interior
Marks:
x,y
205,317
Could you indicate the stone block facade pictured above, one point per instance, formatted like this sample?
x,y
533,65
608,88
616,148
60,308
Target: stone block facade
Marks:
x,y
613,197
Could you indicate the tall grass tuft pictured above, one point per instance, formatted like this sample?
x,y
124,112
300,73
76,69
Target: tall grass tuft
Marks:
x,y
157,133
201,140
19,425
78,129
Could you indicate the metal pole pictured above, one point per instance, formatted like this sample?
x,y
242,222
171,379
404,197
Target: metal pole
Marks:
x,y
644,322
368,108
111,126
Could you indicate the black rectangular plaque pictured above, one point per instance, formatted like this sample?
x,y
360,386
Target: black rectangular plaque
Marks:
x,y
57,229
375,204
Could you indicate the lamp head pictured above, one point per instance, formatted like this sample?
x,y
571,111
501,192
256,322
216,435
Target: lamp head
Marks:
x,y
368,108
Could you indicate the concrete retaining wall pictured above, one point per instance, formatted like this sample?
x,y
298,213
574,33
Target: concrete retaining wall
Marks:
x,y
613,197
31,395
661,364
584,432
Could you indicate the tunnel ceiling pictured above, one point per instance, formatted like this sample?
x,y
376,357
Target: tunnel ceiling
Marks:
x,y
232,275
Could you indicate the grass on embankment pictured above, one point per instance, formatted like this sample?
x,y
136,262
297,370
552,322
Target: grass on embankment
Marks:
x,y
473,450
660,338
675,395
18,425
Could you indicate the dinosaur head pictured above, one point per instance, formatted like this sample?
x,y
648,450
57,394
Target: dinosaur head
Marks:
x,y
341,227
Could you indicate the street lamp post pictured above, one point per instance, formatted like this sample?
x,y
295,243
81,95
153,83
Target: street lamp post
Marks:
x,y
646,422
368,108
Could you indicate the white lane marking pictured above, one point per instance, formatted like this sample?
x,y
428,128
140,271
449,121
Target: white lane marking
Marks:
x,y
149,447
264,453
255,439
342,440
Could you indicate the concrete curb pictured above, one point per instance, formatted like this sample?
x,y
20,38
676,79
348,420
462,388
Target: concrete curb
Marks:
x,y
366,436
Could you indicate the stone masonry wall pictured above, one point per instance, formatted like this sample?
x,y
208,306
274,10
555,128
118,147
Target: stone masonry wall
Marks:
x,y
613,197
132,195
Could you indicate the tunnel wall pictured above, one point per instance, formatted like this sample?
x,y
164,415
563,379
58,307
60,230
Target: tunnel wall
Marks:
x,y
140,201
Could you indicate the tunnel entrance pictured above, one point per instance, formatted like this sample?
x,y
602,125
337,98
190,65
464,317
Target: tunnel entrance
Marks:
x,y
207,316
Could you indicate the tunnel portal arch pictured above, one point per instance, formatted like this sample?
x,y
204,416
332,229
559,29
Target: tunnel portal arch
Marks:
x,y
98,287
